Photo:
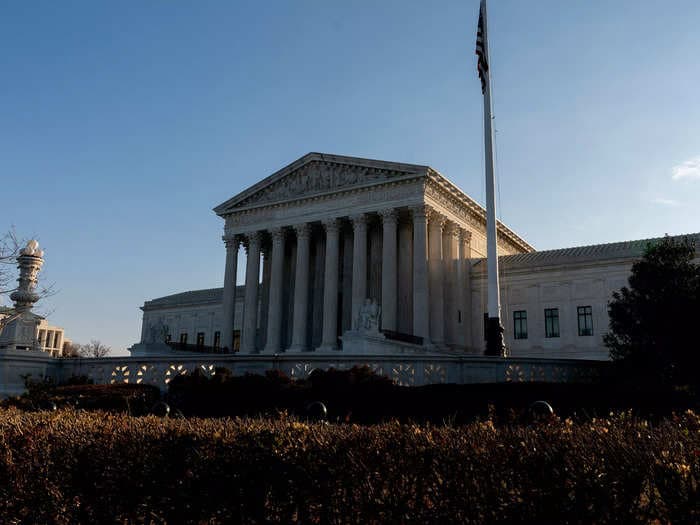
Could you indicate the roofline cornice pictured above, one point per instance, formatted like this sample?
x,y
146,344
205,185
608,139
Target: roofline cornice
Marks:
x,y
413,170
475,209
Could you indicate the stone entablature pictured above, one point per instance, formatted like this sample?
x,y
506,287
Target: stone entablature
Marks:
x,y
460,208
317,178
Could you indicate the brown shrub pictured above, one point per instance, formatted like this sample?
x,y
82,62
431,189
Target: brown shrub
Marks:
x,y
80,467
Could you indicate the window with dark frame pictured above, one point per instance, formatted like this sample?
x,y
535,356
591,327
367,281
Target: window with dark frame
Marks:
x,y
217,339
520,324
486,326
551,322
183,338
200,339
585,320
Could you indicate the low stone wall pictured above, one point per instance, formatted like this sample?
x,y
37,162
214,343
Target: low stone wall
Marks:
x,y
16,364
407,370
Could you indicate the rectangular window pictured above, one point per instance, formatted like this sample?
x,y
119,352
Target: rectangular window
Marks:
x,y
217,339
486,326
585,320
551,322
183,338
236,340
200,339
520,324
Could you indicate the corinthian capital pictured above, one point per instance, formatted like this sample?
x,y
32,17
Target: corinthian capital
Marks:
x,y
452,229
436,219
420,212
277,235
303,231
231,241
253,241
389,215
359,221
331,226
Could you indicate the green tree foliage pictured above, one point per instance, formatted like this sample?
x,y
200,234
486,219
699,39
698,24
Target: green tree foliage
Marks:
x,y
653,322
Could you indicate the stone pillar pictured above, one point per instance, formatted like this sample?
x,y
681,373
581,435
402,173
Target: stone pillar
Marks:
x,y
301,290
451,285
250,304
463,277
421,327
264,295
229,300
329,337
404,315
389,269
274,317
435,267
359,265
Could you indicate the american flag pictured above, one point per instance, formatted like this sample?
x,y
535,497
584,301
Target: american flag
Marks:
x,y
482,64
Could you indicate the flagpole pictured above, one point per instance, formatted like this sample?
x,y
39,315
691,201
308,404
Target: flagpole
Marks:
x,y
494,329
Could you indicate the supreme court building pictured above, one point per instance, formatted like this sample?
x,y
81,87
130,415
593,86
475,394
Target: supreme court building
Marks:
x,y
362,256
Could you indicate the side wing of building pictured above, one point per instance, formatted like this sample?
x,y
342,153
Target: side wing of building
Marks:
x,y
555,302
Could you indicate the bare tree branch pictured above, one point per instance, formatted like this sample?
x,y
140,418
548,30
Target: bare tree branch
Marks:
x,y
95,348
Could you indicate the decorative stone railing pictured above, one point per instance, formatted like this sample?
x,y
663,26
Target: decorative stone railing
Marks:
x,y
407,370
404,370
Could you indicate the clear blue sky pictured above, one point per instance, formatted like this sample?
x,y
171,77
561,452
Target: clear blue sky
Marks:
x,y
123,123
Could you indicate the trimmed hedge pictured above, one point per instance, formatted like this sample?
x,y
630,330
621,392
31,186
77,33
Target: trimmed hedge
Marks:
x,y
80,467
127,398
360,396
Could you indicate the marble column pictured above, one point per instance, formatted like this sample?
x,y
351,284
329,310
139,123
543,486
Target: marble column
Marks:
x,y
250,304
435,266
329,336
404,314
389,269
464,268
229,299
421,327
264,294
301,290
450,286
359,265
274,316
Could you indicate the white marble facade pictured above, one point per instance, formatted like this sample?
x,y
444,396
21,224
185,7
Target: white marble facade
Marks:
x,y
329,232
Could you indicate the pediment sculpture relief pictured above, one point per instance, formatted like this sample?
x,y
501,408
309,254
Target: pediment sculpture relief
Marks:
x,y
319,177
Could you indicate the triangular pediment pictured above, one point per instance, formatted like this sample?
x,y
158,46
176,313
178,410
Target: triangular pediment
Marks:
x,y
318,174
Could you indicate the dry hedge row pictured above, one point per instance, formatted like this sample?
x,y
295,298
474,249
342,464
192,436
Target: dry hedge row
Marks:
x,y
80,467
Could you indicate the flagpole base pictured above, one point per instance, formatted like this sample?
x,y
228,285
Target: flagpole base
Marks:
x,y
495,346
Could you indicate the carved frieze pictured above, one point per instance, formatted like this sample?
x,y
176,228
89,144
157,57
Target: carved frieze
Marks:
x,y
472,216
319,177
392,191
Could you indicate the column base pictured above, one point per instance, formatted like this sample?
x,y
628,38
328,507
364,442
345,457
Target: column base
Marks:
x,y
296,349
327,348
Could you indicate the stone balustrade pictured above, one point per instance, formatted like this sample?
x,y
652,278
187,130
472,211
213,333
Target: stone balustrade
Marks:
x,y
407,370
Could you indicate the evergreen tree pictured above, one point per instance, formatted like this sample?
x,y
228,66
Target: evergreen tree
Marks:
x,y
654,322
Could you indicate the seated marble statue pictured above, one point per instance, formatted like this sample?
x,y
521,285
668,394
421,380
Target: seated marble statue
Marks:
x,y
369,316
